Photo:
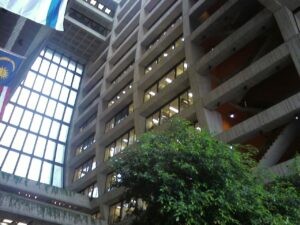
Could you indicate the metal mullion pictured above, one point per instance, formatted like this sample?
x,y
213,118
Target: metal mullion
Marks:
x,y
41,114
4,157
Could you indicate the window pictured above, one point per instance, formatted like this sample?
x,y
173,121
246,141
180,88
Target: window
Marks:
x,y
84,169
36,121
174,107
119,144
120,76
121,210
86,123
162,34
118,118
120,95
91,191
85,144
111,181
167,79
177,43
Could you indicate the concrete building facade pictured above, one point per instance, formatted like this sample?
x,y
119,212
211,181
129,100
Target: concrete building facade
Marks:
x,y
229,66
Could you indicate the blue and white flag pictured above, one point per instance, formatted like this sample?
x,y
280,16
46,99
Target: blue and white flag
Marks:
x,y
46,12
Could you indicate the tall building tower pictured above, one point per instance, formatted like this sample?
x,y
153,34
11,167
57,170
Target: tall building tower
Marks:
x,y
229,66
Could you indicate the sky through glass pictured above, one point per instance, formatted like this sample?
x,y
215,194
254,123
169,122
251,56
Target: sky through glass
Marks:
x,y
36,121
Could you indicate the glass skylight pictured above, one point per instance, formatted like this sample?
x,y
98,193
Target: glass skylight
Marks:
x,y
36,121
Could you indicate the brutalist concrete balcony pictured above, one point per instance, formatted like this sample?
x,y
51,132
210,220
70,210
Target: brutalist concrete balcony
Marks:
x,y
127,30
85,101
270,118
85,181
87,112
158,12
116,87
122,64
165,95
125,9
77,160
163,67
96,77
118,130
97,63
119,105
124,47
249,77
128,16
248,32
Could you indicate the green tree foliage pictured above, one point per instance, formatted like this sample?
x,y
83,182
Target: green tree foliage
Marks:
x,y
188,177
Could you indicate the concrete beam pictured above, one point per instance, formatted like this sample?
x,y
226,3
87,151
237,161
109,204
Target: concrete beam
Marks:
x,y
14,184
41,211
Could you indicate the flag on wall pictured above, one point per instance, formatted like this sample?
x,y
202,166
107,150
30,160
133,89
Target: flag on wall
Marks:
x,y
9,65
46,12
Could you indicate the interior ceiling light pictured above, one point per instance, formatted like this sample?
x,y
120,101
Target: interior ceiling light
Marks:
x,y
100,6
232,115
7,221
174,109
107,11
93,2
168,80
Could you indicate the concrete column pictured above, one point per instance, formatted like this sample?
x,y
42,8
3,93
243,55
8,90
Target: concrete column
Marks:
x,y
286,23
200,85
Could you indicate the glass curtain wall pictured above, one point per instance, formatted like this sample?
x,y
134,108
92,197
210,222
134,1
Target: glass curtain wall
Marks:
x,y
37,119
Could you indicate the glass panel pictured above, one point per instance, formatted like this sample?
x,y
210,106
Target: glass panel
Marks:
x,y
35,133
38,85
60,153
16,116
46,173
34,97
23,165
36,123
45,126
10,162
8,136
3,152
35,168
68,78
44,67
8,112
50,150
23,97
29,81
63,133
41,107
40,147
68,115
51,108
72,97
29,143
27,116
179,69
15,95
54,130
56,90
174,107
47,87
19,140
61,75
76,82
52,71
36,64
57,176
64,94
